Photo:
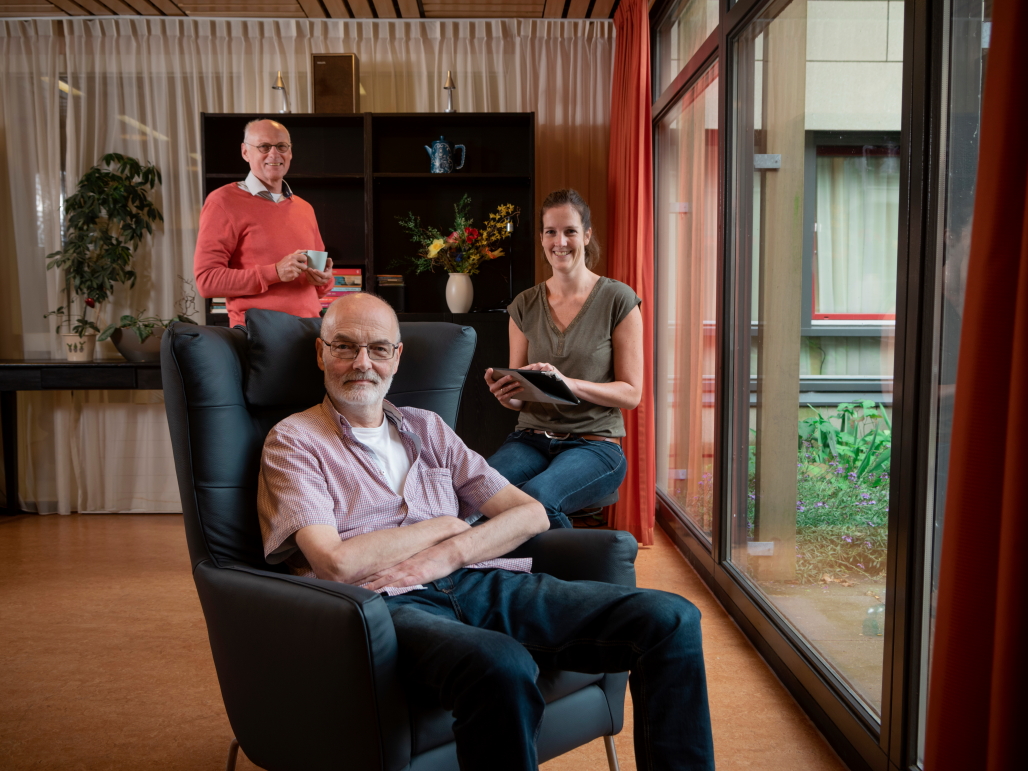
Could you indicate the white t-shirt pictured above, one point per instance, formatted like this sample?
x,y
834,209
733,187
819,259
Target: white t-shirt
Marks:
x,y
389,451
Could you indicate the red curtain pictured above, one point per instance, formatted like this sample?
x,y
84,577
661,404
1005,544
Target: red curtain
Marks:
x,y
630,232
979,669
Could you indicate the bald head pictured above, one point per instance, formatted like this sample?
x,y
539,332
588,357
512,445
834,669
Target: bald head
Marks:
x,y
261,125
360,310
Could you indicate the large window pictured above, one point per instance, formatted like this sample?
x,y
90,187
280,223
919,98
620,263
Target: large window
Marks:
x,y
797,319
811,490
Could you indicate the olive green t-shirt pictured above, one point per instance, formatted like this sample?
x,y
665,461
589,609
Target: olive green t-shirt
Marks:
x,y
584,351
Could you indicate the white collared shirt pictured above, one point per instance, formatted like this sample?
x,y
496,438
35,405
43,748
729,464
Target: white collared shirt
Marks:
x,y
254,186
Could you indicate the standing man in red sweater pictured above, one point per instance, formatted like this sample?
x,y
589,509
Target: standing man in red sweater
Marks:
x,y
246,228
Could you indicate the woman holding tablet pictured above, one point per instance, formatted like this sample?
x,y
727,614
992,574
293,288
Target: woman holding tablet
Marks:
x,y
587,330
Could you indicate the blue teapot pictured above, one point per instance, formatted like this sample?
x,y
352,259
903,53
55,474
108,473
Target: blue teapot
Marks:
x,y
441,155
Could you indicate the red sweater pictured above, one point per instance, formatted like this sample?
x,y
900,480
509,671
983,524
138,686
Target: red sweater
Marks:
x,y
241,238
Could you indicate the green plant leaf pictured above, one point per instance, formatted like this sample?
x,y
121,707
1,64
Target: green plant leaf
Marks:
x,y
882,462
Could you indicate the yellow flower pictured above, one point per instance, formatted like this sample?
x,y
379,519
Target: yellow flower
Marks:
x,y
433,250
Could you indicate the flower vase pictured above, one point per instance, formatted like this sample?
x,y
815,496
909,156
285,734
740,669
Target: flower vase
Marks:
x,y
79,348
459,293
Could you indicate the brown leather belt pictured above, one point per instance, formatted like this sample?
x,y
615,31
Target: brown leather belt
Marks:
x,y
592,437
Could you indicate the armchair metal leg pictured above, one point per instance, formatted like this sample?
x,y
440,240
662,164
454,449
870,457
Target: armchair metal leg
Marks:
x,y
233,751
612,753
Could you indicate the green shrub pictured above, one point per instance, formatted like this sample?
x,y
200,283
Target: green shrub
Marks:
x,y
842,486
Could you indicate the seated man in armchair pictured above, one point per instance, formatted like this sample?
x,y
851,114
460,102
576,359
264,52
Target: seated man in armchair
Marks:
x,y
359,491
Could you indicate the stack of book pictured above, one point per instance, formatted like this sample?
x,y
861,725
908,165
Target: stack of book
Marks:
x,y
386,279
344,280
218,305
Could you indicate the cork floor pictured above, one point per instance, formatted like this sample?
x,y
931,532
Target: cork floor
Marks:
x,y
104,661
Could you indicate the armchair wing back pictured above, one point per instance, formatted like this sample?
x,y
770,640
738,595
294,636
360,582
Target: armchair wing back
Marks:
x,y
225,388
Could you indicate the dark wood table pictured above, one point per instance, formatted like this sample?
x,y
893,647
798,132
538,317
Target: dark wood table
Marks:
x,y
53,375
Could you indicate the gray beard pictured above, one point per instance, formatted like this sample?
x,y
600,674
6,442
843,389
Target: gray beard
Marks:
x,y
359,396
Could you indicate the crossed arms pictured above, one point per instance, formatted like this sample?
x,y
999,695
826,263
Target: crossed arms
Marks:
x,y
425,551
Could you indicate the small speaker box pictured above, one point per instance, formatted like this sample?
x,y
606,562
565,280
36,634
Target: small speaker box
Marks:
x,y
335,83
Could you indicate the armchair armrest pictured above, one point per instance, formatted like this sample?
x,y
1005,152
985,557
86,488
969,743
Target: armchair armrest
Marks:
x,y
583,555
311,660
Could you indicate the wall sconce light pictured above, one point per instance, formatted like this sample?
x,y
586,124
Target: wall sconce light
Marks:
x,y
280,86
450,85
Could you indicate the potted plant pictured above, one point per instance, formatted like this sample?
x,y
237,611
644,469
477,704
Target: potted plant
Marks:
x,y
462,251
107,218
138,338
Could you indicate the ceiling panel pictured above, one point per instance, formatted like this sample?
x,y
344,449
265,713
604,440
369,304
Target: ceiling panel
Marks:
x,y
409,9
299,9
578,9
120,8
282,9
361,9
554,9
144,7
336,9
602,9
168,7
482,9
313,9
385,9
29,8
95,8
71,8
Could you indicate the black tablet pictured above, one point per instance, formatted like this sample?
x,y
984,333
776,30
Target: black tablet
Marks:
x,y
539,386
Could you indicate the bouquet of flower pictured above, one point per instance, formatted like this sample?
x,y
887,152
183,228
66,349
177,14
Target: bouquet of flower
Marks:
x,y
465,248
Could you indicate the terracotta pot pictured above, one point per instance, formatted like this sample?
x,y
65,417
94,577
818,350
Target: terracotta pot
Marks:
x,y
79,348
128,345
459,293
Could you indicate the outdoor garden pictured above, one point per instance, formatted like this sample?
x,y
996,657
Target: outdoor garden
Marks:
x,y
842,492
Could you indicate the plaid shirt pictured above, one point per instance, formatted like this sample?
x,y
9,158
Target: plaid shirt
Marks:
x,y
315,472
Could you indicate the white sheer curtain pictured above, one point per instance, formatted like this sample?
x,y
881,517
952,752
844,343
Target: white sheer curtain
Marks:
x,y
858,227
30,53
138,85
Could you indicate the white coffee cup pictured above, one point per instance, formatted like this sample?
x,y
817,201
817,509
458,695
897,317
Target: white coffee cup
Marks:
x,y
316,259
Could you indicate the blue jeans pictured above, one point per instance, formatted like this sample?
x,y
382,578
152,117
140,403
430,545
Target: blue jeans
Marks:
x,y
564,475
478,638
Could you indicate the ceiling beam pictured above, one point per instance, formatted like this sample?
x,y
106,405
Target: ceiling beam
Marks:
x,y
336,9
361,9
312,8
385,9
94,7
602,9
409,9
144,8
168,7
578,9
553,9
118,8
70,8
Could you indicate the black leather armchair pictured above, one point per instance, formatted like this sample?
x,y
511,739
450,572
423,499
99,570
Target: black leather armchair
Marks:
x,y
308,668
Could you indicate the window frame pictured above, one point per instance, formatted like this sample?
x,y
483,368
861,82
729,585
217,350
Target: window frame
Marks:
x,y
814,324
891,742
